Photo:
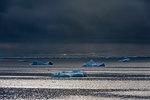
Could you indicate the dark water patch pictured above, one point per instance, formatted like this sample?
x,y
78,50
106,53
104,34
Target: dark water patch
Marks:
x,y
117,75
25,66
44,93
123,70
127,67
89,75
79,78
25,74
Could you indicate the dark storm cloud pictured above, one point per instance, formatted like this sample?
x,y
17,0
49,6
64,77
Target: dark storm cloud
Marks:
x,y
74,21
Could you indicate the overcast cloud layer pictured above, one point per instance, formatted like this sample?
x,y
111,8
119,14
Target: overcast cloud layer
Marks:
x,y
86,21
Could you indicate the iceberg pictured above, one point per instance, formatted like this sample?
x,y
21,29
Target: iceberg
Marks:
x,y
74,73
91,63
125,60
41,63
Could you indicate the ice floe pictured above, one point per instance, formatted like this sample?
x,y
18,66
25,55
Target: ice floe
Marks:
x,y
91,63
125,60
41,63
74,73
21,60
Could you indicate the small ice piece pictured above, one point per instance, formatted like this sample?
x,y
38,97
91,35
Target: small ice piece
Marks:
x,y
125,60
91,63
35,77
41,63
21,60
108,57
74,73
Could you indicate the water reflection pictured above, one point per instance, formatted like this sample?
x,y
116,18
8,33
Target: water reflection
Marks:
x,y
30,93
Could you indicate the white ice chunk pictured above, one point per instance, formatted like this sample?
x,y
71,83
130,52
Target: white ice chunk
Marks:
x,y
74,73
125,60
91,63
41,63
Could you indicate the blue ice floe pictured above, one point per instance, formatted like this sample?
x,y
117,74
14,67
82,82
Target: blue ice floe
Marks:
x,y
41,63
21,60
91,63
125,60
74,73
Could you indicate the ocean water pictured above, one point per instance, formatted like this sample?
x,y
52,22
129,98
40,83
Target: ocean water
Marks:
x,y
118,80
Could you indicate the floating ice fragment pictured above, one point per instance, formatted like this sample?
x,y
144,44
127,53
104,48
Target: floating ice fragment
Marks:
x,y
125,60
91,63
21,60
36,78
41,63
74,73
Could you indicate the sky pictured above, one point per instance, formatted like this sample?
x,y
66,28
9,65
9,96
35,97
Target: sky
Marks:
x,y
32,24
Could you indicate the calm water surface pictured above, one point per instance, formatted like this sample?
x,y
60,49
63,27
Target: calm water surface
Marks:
x,y
116,81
